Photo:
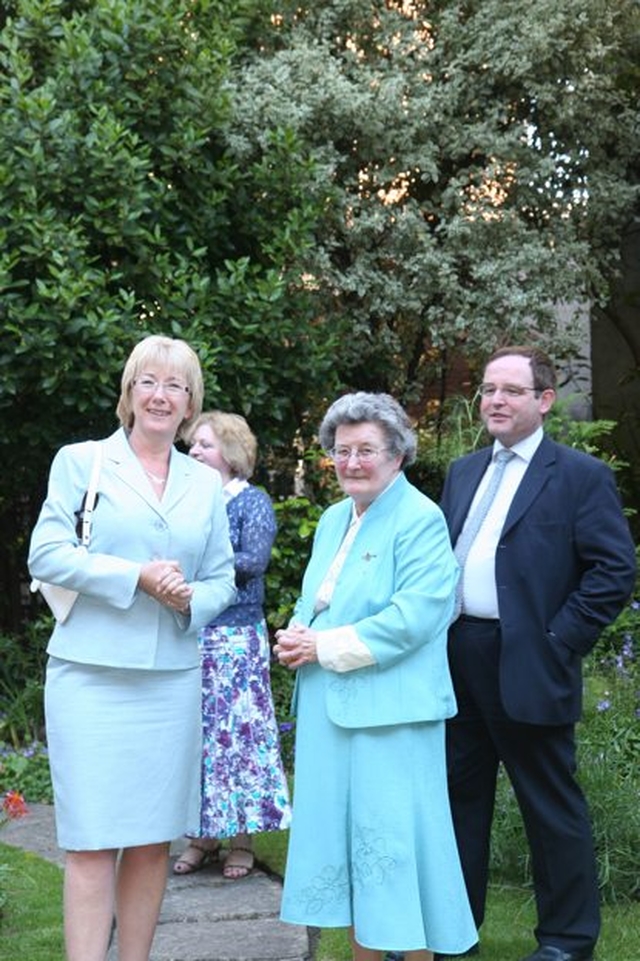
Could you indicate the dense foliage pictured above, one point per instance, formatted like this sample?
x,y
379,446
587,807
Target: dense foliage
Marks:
x,y
121,214
483,159
315,196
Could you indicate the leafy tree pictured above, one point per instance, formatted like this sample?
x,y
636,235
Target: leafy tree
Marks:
x,y
121,214
481,158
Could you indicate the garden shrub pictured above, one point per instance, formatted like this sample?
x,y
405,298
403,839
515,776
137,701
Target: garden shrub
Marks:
x,y
22,667
297,520
24,764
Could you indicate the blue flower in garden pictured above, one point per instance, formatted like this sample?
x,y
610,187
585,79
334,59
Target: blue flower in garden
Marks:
x,y
603,705
627,647
621,667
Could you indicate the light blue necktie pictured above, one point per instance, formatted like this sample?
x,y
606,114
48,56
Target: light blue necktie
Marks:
x,y
476,520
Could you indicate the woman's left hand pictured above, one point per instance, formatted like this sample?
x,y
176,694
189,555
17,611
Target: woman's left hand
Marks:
x,y
164,581
296,646
174,592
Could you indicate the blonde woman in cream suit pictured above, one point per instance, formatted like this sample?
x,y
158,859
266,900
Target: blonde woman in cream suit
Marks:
x,y
122,693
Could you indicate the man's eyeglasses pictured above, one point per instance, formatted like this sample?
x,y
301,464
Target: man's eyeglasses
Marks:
x,y
509,390
365,455
149,385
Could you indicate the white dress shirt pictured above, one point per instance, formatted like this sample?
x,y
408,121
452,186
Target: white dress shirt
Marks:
x,y
479,595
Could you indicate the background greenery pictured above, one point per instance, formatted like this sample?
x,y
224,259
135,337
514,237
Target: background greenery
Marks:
x,y
317,196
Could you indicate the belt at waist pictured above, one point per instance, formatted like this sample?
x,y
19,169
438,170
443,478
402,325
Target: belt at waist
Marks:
x,y
470,619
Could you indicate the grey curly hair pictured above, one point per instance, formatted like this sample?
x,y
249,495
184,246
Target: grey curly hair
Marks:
x,y
362,407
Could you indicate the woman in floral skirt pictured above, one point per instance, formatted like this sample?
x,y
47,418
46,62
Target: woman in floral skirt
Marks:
x,y
243,785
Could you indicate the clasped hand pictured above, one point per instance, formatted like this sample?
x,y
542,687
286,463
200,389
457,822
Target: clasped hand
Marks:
x,y
295,646
164,581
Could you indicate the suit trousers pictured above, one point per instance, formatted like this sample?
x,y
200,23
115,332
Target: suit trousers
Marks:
x,y
540,761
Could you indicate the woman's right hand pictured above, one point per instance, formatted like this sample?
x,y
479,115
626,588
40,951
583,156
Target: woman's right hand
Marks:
x,y
164,581
296,646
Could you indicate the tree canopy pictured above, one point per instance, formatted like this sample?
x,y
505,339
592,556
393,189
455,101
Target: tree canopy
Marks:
x,y
317,197
481,157
122,214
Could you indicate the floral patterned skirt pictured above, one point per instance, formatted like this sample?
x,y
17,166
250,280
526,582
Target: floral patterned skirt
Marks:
x,y
244,788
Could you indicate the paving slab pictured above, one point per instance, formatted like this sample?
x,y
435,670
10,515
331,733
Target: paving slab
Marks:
x,y
204,917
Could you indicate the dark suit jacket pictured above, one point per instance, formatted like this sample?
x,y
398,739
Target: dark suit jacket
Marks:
x,y
565,566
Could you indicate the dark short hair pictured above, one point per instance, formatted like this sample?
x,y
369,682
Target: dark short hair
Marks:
x,y
361,407
542,368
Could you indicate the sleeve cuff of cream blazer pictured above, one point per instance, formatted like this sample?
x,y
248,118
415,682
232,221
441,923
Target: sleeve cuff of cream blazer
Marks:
x,y
340,649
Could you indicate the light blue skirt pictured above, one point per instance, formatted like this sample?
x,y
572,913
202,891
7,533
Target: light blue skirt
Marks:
x,y
372,843
124,749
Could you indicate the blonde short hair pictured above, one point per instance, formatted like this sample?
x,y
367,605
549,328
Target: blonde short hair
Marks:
x,y
175,356
237,443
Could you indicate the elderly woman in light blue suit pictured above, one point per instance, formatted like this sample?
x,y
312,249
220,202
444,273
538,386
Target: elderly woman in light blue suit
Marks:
x,y
372,846
122,693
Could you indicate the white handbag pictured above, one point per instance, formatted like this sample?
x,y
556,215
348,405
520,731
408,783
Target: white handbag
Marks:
x,y
61,599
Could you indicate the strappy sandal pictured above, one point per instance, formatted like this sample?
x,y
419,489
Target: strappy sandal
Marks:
x,y
199,857
238,863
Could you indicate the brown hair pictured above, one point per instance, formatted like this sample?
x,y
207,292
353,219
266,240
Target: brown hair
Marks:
x,y
542,368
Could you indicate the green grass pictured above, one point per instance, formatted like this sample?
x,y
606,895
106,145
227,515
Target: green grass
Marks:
x,y
507,931
31,919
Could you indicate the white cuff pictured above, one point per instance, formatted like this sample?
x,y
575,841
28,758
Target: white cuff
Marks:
x,y
340,649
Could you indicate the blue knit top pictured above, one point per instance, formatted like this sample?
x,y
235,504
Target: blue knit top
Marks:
x,y
252,529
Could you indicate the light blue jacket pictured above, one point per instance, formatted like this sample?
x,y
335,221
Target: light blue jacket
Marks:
x,y
113,623
396,589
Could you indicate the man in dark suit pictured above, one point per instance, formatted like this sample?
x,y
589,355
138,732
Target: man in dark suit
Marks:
x,y
552,564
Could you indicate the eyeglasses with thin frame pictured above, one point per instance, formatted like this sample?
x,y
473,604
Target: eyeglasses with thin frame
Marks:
x,y
149,385
509,390
365,455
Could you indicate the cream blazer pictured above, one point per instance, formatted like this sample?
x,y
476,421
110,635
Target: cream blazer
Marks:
x,y
113,623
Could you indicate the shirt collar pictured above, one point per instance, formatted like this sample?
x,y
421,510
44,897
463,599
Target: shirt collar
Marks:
x,y
525,448
233,488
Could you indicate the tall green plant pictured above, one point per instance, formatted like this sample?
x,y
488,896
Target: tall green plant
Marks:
x,y
122,212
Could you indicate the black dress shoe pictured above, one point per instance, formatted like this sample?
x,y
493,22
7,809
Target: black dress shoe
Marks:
x,y
547,952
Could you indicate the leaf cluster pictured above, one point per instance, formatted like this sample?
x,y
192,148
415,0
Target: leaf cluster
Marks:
x,y
122,213
478,155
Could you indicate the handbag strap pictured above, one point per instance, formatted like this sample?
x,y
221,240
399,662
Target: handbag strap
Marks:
x,y
92,490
